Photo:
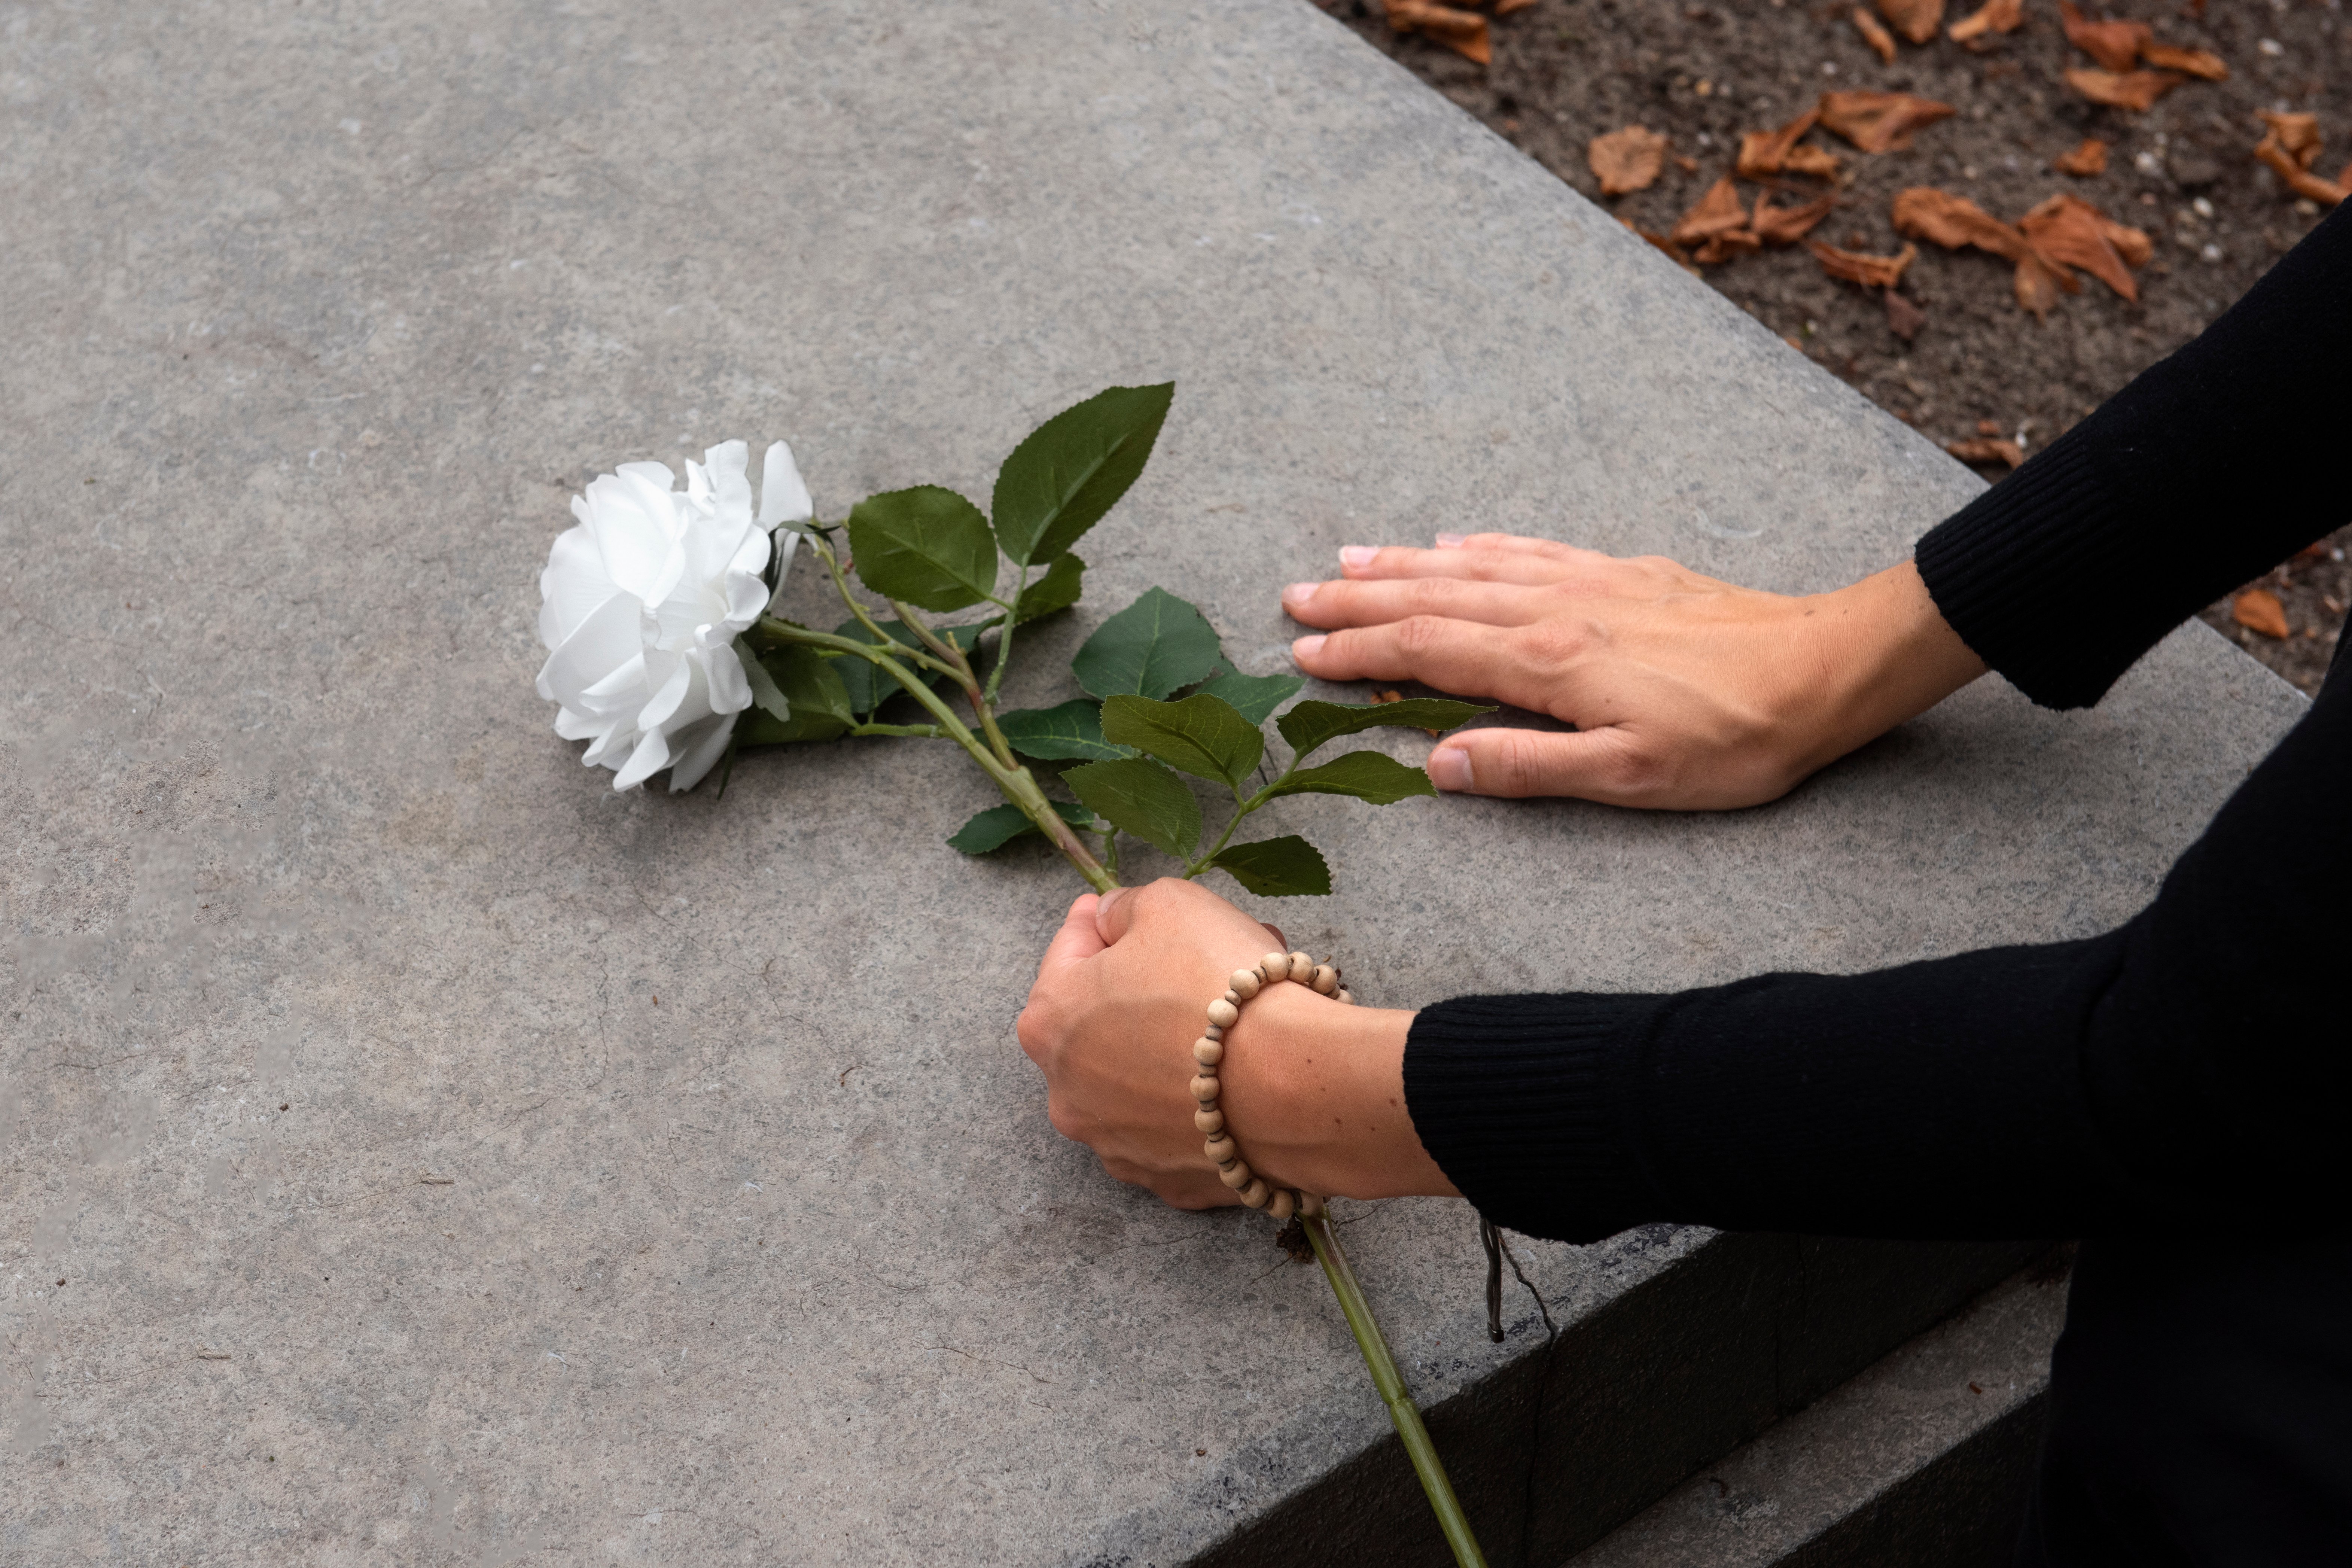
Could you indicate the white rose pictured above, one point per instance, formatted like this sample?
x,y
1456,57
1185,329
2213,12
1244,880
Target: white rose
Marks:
x,y
640,606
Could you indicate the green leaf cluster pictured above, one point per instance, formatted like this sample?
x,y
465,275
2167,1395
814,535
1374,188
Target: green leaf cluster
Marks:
x,y
1163,704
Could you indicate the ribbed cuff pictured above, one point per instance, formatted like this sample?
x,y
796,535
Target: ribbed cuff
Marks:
x,y
2010,570
1520,1100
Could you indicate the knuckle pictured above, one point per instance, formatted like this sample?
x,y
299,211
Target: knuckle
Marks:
x,y
1418,637
1553,641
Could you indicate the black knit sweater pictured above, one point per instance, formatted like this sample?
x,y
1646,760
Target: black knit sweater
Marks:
x,y
2190,1067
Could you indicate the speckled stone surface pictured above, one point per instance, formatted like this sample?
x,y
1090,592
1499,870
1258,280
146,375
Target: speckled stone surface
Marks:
x,y
362,1203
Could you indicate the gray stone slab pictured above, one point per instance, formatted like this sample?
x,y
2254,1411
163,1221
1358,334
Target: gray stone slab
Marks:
x,y
398,1222
1924,1460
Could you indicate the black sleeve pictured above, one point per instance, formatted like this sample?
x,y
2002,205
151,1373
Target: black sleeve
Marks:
x,y
2211,467
2193,1068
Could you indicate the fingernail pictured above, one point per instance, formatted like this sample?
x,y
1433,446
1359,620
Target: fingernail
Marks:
x,y
1355,555
1307,648
1449,541
1299,593
1449,768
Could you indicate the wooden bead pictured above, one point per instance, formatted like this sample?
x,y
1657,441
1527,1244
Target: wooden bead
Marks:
x,y
1324,980
1276,966
1222,1012
1310,1205
1256,1193
1301,967
1283,1204
1244,982
1209,1119
1204,1089
1208,1053
1212,1032
1235,1175
1346,995
1221,1149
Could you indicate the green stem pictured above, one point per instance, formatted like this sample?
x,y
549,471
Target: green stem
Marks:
x,y
912,731
865,617
1393,1393
961,668
1018,784
1004,638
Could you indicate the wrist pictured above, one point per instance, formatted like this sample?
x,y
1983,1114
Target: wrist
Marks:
x,y
1316,1096
1883,653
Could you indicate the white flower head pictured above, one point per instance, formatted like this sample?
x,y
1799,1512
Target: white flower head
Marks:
x,y
640,606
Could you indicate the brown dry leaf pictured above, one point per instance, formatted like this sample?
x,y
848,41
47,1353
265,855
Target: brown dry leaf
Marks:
x,y
1870,271
2036,285
1505,8
1903,317
2134,90
1879,122
2298,135
2259,610
2090,158
1661,242
2068,231
1379,697
1463,32
1994,17
1986,449
1763,152
2290,147
1915,19
1786,226
1924,212
2115,44
1718,212
1876,37
1727,245
2202,63
2132,243
1627,161
1819,162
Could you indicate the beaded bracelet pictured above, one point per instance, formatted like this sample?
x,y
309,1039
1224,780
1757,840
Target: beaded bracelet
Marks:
x,y
1209,1052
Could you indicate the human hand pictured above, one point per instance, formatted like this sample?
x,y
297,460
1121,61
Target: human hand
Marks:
x,y
1314,1089
1685,693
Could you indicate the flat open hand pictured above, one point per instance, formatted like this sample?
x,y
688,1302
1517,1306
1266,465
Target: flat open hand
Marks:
x,y
1685,693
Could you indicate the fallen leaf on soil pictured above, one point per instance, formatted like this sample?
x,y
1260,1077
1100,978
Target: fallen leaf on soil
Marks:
x,y
1903,317
2115,44
1879,122
1986,449
1870,271
1995,16
2290,147
2036,285
1718,212
1818,161
1505,8
1876,37
1463,32
1763,152
2134,90
1786,226
2070,232
1627,161
2259,610
2202,63
2132,243
1724,247
2090,158
1915,19
1924,212
1661,242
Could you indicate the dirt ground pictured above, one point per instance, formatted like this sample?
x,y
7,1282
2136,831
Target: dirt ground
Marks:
x,y
1565,71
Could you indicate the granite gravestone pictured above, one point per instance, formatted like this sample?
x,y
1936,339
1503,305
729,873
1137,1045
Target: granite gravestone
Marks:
x,y
417,1153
